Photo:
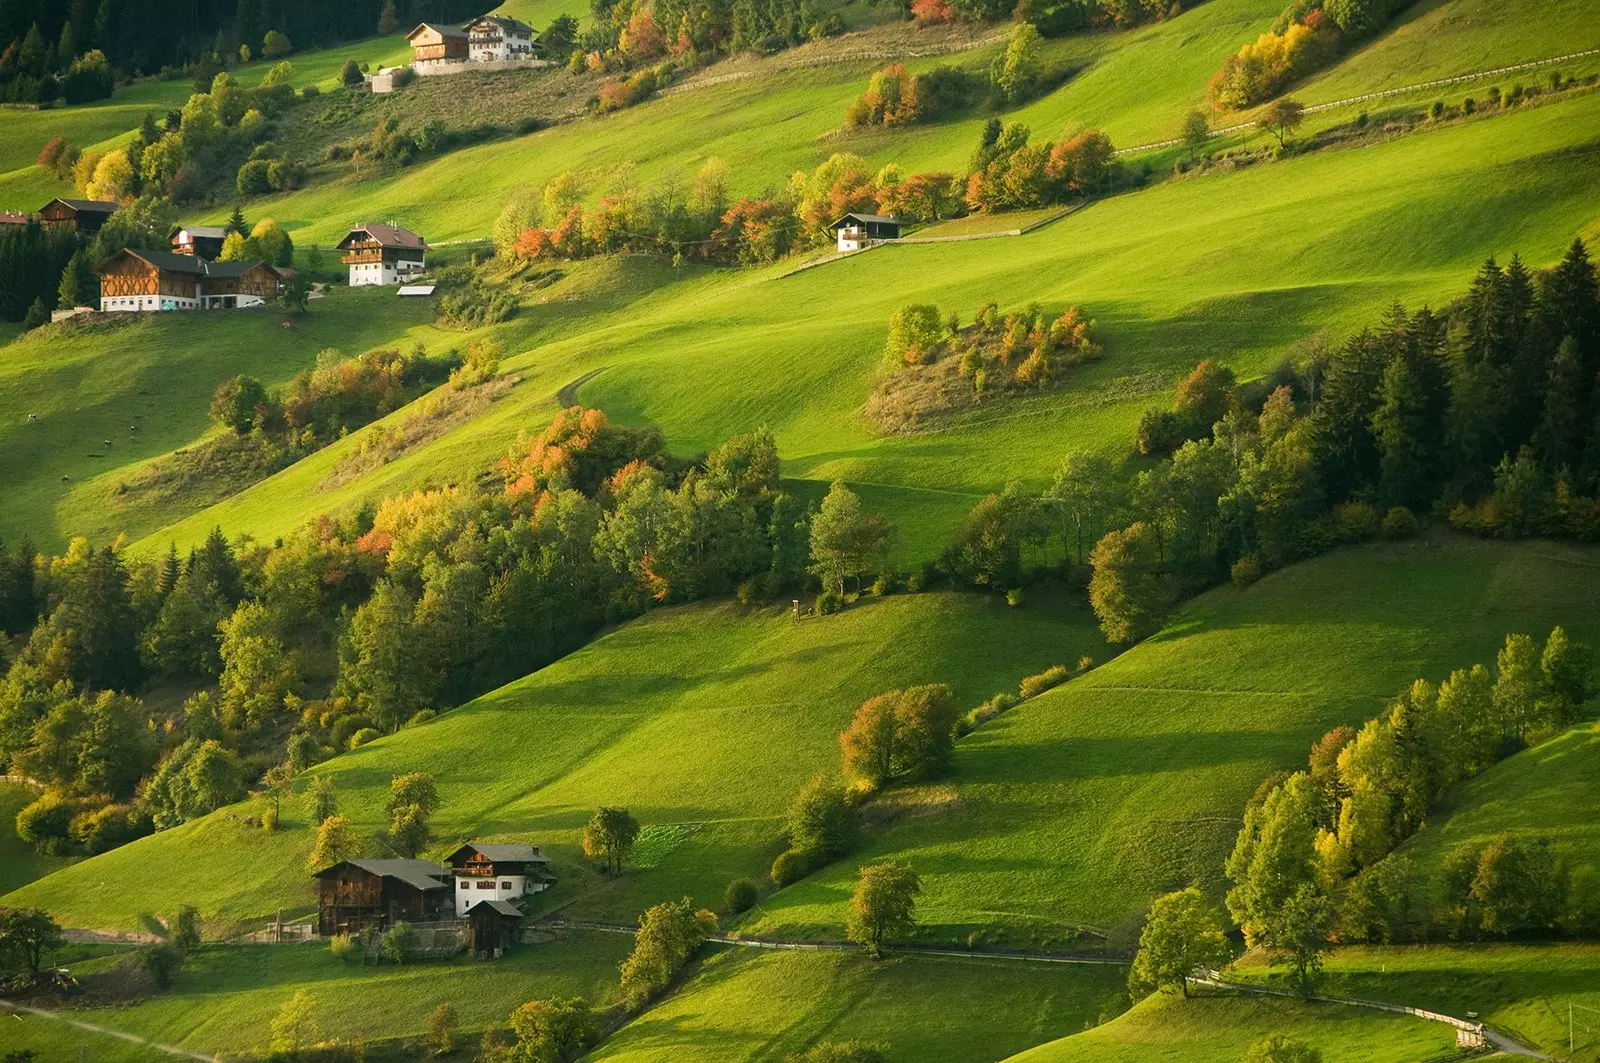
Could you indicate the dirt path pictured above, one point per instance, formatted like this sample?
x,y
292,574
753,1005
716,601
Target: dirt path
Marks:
x,y
1385,94
105,1031
567,395
1500,1041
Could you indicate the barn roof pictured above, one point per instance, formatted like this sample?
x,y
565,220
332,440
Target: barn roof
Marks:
x,y
508,25
205,232
878,219
443,31
193,265
88,206
505,908
232,269
388,236
421,874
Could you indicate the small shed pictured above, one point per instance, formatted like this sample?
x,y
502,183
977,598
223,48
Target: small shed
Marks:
x,y
84,215
492,926
856,232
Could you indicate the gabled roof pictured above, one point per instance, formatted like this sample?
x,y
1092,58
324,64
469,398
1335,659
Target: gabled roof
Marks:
x,y
443,31
505,908
499,853
193,265
877,219
507,25
204,232
89,206
387,236
421,874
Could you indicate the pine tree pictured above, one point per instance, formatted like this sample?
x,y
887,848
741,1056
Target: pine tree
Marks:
x,y
171,569
97,618
214,564
79,286
388,21
236,222
1408,424
37,315
1559,439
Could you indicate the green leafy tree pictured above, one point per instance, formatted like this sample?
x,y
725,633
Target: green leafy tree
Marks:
x,y
1282,117
669,933
236,402
258,671
1274,855
1132,590
821,822
901,734
275,45
1195,133
440,1033
294,1028
844,539
1181,934
186,928
27,935
324,799
399,943
1297,934
1280,1049
99,627
1083,496
381,660
336,840
1016,71
609,837
548,1031
884,906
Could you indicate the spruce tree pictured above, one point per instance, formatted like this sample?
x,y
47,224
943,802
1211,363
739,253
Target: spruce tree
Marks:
x,y
37,315
96,615
236,222
1559,439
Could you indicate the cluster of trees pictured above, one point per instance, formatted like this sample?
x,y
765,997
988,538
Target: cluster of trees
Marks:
x,y
34,70
394,613
935,364
896,98
1488,412
140,37
32,260
630,33
1306,36
1007,172
1365,791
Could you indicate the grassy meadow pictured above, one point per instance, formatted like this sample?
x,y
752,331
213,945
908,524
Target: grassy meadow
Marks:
x,y
20,863
1078,807
1221,1028
719,352
745,1005
680,716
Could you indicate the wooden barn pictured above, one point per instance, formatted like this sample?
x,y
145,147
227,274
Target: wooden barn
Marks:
x,y
355,894
492,927
160,280
84,215
431,42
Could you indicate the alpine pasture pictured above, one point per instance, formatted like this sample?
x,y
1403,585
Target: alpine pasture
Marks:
x,y
1056,822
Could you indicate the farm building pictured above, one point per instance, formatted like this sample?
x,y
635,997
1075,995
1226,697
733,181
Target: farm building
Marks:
x,y
492,926
382,254
160,280
8,217
84,215
857,232
497,39
489,872
430,43
355,894
202,240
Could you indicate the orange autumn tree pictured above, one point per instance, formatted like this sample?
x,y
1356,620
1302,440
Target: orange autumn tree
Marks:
x,y
581,450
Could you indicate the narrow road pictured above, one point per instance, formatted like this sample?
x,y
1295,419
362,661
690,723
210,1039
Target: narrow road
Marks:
x,y
1018,955
22,1010
1502,1042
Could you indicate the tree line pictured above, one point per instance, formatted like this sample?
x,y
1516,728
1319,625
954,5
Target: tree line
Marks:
x,y
1306,36
357,626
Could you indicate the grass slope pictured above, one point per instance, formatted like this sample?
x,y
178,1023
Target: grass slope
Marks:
x,y
1220,1029
1081,805
703,720
745,1005
1246,263
157,373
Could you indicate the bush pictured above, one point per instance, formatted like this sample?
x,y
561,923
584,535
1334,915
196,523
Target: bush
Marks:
x,y
1436,112
399,943
740,896
1246,570
340,730
1355,522
1399,523
310,92
1035,685
883,586
758,589
350,73
421,717
254,178
162,960
344,947
1014,597
829,602
46,822
987,711
362,737
790,867
269,819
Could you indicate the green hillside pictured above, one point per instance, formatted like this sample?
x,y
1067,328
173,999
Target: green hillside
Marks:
x,y
704,721
728,351
743,1004
1080,806
19,862
1220,1029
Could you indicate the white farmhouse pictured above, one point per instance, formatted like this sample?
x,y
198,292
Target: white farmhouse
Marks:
x,y
491,872
383,254
497,39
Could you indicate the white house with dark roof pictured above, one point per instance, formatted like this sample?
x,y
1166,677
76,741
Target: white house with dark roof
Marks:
x,y
497,39
857,232
509,873
383,254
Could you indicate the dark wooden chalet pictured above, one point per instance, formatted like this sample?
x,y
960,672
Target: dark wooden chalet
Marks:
x,y
855,231
492,926
84,215
204,241
355,894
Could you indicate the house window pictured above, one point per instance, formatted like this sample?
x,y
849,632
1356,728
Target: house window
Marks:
x,y
465,884
505,885
486,885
